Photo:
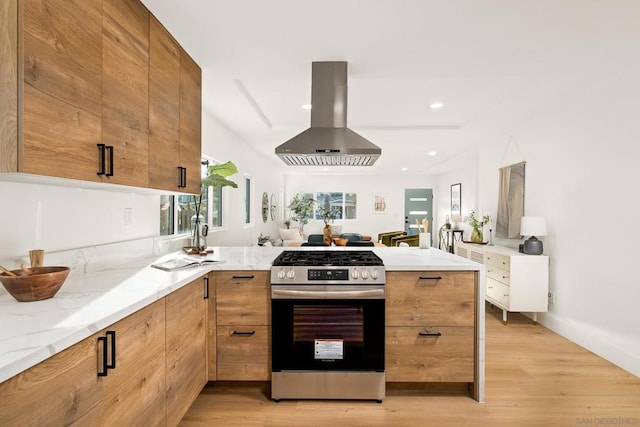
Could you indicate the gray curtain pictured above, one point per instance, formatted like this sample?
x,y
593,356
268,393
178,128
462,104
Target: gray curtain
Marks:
x,y
510,201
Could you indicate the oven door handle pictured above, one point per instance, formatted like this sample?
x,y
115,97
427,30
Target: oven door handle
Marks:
x,y
367,293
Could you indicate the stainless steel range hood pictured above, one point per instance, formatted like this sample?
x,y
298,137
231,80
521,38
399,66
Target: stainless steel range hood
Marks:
x,y
328,142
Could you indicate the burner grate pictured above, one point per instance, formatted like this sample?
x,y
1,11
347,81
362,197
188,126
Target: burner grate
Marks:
x,y
327,258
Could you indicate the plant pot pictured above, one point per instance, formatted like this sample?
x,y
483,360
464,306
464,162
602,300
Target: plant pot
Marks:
x,y
476,235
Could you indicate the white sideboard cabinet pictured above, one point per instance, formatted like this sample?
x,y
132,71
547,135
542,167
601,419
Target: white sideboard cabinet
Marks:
x,y
514,281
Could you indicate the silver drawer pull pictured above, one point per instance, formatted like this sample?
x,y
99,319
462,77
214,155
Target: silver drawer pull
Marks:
x,y
429,334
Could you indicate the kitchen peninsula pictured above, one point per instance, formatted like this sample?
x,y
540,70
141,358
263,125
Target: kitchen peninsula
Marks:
x,y
31,333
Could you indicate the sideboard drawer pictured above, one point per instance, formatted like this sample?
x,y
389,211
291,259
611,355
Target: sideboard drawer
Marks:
x,y
498,274
498,292
497,260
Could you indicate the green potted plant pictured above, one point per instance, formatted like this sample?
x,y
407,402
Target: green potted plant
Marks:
x,y
262,239
476,227
328,216
216,177
301,209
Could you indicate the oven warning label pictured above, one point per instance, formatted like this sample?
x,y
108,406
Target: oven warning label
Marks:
x,y
329,349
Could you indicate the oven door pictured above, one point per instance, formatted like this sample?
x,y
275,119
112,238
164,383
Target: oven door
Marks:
x,y
327,334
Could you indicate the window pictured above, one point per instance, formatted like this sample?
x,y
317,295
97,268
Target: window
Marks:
x,y
344,204
177,213
248,217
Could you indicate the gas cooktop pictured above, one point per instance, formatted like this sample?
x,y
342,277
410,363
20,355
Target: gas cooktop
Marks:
x,y
327,258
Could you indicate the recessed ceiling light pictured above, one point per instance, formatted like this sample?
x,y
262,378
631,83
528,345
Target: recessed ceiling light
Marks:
x,y
432,153
325,169
306,106
404,169
436,105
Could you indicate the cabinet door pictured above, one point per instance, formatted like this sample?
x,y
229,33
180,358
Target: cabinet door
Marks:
x,y
125,90
243,298
164,107
190,122
244,353
186,348
443,298
430,354
134,392
62,81
62,390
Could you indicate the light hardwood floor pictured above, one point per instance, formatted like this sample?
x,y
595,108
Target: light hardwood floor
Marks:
x,y
534,377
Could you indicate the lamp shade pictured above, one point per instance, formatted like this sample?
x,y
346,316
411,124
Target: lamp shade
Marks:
x,y
533,226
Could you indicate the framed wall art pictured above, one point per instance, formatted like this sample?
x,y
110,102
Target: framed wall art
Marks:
x,y
380,203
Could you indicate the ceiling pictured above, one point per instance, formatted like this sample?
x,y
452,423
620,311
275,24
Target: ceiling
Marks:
x,y
492,63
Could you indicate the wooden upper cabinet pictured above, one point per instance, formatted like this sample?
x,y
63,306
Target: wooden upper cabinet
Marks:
x,y
190,122
125,90
164,107
62,62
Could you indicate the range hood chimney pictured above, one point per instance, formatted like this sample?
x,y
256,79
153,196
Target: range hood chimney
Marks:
x,y
328,142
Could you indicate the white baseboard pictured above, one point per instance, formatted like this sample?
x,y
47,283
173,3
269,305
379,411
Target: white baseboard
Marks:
x,y
623,351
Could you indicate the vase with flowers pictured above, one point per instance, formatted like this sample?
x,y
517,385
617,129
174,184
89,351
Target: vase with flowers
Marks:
x,y
476,227
328,216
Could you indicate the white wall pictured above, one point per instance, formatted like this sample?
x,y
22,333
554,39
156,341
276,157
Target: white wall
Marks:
x,y
582,170
365,186
62,218
222,145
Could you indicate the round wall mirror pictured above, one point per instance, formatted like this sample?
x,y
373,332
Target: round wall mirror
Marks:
x,y
273,207
265,207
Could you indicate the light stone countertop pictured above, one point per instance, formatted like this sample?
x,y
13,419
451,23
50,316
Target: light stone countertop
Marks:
x,y
32,332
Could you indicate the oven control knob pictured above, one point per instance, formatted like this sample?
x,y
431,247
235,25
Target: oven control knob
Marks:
x,y
355,274
374,274
281,274
365,274
291,274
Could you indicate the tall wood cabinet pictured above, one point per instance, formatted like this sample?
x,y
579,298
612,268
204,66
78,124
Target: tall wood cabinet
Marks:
x,y
83,83
514,281
174,114
243,330
430,326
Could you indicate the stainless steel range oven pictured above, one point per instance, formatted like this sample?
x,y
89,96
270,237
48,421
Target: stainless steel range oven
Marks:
x,y
327,309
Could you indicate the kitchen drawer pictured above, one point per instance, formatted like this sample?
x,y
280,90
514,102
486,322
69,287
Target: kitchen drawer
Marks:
x,y
414,356
244,353
498,274
496,260
430,298
243,297
499,292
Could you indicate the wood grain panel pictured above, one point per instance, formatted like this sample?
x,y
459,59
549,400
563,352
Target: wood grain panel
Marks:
x,y
164,107
186,345
190,121
62,80
446,358
125,89
62,390
9,86
134,392
244,357
243,298
419,299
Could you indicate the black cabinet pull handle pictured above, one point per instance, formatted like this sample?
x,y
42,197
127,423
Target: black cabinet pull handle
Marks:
x,y
429,334
105,368
112,334
430,278
110,150
184,177
251,276
244,333
206,288
101,159
181,177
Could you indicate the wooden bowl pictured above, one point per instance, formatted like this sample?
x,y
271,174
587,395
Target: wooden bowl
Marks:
x,y
43,283
341,242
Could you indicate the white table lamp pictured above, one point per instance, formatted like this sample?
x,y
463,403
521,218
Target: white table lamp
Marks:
x,y
533,226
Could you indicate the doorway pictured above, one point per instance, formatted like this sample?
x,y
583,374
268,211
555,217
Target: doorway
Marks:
x,y
418,204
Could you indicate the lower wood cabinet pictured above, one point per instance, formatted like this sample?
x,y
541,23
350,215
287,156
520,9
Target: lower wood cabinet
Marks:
x,y
243,326
186,347
156,360
430,326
